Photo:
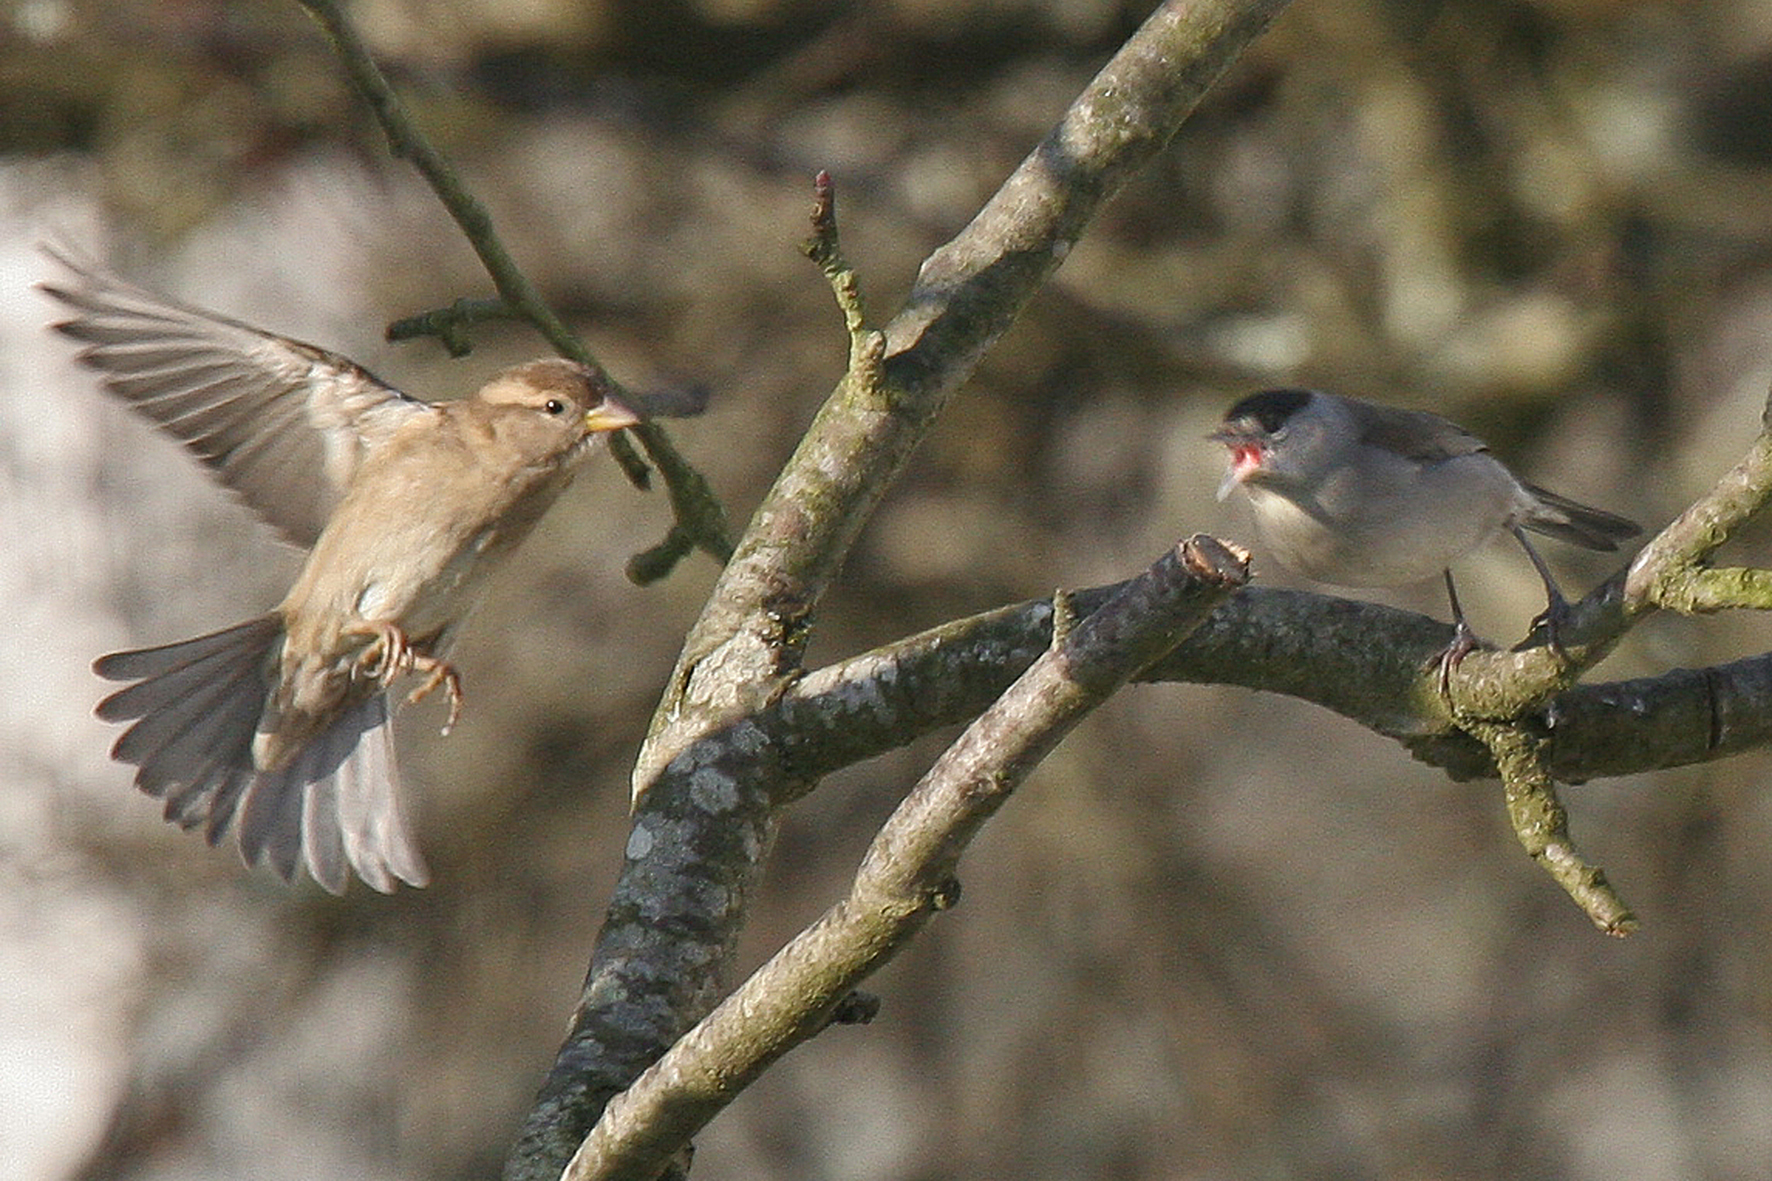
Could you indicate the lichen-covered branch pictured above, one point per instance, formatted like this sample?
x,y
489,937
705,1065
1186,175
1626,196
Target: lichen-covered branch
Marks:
x,y
908,873
1491,695
1673,573
1542,824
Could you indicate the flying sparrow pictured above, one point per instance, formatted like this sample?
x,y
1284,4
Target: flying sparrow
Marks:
x,y
279,726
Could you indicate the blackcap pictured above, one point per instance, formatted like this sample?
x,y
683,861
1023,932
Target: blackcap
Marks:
x,y
1355,494
279,725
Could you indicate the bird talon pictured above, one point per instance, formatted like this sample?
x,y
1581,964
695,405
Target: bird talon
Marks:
x,y
438,673
1464,642
388,653
1553,619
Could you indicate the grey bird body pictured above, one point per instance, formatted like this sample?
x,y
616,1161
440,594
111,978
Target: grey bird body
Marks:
x,y
1360,495
279,726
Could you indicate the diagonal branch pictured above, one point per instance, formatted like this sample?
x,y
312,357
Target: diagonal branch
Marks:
x,y
908,873
966,296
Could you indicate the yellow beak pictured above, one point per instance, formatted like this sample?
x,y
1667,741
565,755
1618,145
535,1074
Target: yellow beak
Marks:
x,y
609,415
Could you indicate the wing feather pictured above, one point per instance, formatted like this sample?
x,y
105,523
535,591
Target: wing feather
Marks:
x,y
281,423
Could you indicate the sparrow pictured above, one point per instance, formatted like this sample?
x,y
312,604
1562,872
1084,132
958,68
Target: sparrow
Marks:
x,y
1357,495
279,726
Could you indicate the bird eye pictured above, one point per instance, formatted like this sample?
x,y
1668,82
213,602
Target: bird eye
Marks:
x,y
554,406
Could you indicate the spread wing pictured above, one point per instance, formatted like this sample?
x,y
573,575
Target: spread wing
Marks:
x,y
1416,433
280,423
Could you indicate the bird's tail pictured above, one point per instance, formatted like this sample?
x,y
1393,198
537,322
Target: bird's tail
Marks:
x,y
1562,518
196,706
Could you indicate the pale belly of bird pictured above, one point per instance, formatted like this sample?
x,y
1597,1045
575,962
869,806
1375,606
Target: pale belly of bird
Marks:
x,y
1369,550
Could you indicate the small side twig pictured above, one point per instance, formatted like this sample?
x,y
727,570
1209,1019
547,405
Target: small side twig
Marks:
x,y
908,873
450,324
867,346
1542,825
824,248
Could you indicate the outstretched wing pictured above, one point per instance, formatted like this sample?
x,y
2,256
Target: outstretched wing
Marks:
x,y
281,423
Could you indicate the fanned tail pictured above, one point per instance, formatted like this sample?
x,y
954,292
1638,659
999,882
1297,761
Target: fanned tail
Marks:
x,y
196,706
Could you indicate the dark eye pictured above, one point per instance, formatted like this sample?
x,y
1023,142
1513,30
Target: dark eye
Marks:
x,y
554,406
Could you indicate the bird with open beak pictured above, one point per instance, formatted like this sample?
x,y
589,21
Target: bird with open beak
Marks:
x,y
279,726
1357,494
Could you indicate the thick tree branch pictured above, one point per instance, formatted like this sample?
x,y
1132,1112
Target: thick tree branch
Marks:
x,y
1361,660
908,873
707,781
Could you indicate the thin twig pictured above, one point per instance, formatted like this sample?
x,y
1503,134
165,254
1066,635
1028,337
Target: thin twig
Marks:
x,y
450,324
698,511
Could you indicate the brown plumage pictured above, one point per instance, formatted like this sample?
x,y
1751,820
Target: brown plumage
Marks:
x,y
279,726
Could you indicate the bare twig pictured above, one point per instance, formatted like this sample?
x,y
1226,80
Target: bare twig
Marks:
x,y
699,513
824,249
450,324
908,873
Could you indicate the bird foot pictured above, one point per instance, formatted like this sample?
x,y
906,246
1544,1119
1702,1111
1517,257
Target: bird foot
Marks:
x,y
1464,642
1553,619
438,672
390,654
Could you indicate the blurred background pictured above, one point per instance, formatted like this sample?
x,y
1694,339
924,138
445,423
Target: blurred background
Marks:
x,y
1218,935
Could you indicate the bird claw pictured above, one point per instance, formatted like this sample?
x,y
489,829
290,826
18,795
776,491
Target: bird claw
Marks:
x,y
438,672
1464,642
1553,619
390,654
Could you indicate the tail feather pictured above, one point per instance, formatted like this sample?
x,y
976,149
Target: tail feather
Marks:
x,y
374,830
270,819
1579,524
206,720
224,646
196,707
